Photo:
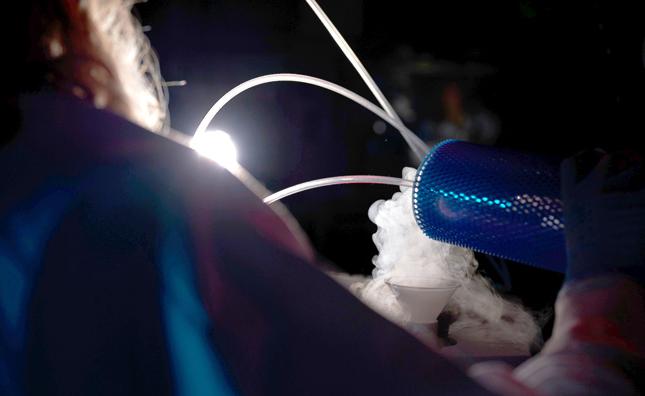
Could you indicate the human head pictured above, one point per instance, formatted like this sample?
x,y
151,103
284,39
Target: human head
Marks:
x,y
93,49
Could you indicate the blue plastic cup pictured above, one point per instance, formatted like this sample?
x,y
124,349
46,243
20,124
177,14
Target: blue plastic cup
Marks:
x,y
499,202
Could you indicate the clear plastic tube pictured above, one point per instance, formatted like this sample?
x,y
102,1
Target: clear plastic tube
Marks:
x,y
259,189
419,148
330,181
353,59
387,112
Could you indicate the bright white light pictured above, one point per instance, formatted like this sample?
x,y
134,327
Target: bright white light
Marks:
x,y
216,145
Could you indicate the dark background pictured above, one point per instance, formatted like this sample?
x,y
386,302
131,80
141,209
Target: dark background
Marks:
x,y
558,76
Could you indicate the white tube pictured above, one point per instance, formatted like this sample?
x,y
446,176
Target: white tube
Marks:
x,y
330,181
419,148
243,175
353,59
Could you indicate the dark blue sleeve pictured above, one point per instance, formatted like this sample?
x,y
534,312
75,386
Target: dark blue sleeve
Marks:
x,y
94,324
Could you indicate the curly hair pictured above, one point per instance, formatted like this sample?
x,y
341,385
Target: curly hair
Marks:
x,y
93,49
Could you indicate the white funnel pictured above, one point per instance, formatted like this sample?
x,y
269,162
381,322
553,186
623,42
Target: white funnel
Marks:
x,y
423,299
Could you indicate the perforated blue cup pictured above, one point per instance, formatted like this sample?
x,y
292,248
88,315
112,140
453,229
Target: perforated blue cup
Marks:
x,y
495,201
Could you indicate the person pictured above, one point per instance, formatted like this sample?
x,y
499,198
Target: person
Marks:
x,y
129,265
597,347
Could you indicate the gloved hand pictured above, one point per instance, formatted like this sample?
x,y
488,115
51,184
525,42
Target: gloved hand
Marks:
x,y
604,213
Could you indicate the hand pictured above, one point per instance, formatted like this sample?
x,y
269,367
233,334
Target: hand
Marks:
x,y
604,213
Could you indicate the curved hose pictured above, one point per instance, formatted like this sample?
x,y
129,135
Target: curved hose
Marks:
x,y
419,148
330,181
387,113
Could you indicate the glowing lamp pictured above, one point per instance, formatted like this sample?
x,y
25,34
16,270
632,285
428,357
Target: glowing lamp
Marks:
x,y
216,145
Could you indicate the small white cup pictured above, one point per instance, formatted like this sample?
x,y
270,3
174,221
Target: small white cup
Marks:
x,y
422,298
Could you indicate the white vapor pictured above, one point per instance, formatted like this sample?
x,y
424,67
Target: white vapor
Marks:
x,y
404,251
